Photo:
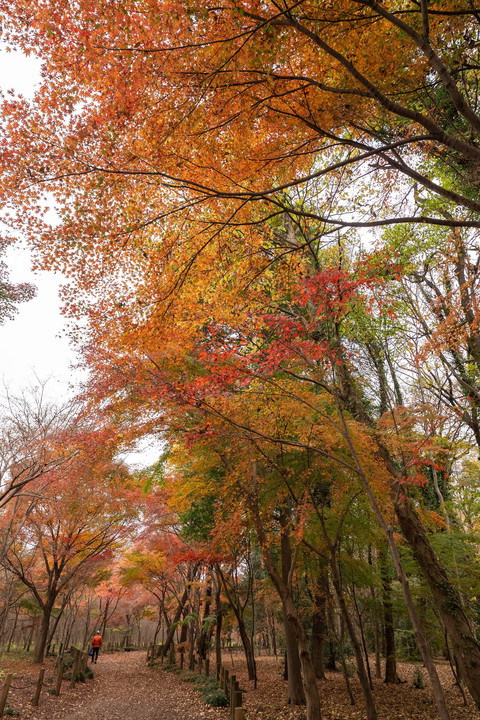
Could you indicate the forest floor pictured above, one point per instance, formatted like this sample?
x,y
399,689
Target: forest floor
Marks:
x,y
393,702
125,687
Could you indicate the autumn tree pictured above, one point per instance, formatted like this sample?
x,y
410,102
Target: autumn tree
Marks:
x,y
71,530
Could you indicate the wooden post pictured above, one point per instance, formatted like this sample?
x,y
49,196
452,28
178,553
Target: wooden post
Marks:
x,y
233,681
239,714
3,696
238,697
73,679
36,697
60,669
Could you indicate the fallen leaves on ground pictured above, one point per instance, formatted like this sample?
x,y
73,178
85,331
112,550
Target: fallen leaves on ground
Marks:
x,y
394,702
124,686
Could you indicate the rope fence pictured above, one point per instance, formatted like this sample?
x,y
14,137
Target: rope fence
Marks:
x,y
80,660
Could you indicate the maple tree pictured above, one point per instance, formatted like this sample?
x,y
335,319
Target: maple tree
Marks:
x,y
70,530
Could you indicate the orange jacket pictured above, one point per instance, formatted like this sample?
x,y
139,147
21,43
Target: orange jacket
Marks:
x,y
97,641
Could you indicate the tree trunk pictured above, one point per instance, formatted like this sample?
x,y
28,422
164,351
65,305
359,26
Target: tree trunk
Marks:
x,y
447,601
419,634
292,620
13,630
319,622
192,571
465,646
296,692
331,660
272,633
390,651
248,649
239,608
312,699
42,636
343,663
219,623
296,695
357,649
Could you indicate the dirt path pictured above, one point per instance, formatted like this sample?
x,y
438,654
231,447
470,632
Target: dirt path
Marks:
x,y
123,688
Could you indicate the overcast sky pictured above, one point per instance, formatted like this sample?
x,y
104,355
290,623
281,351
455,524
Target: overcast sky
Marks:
x,y
33,342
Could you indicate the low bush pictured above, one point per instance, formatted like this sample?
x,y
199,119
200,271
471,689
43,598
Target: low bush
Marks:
x,y
418,681
68,660
215,697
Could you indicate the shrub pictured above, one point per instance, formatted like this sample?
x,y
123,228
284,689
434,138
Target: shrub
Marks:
x,y
351,669
68,660
418,681
188,676
215,697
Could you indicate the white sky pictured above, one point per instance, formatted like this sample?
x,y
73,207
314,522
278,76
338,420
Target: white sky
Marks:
x,y
34,344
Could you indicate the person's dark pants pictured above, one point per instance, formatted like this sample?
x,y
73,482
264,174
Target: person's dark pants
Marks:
x,y
95,654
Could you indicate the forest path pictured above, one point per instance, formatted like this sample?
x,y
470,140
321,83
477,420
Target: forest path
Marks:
x,y
125,687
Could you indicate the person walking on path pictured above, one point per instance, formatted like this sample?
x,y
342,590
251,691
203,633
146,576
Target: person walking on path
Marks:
x,y
96,643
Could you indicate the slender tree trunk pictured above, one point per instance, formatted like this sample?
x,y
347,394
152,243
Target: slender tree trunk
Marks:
x,y
390,651
239,608
248,649
272,632
312,699
13,630
206,630
447,601
192,571
296,691
375,624
332,642
465,646
343,663
419,634
159,623
357,649
219,623
376,641
362,636
319,622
